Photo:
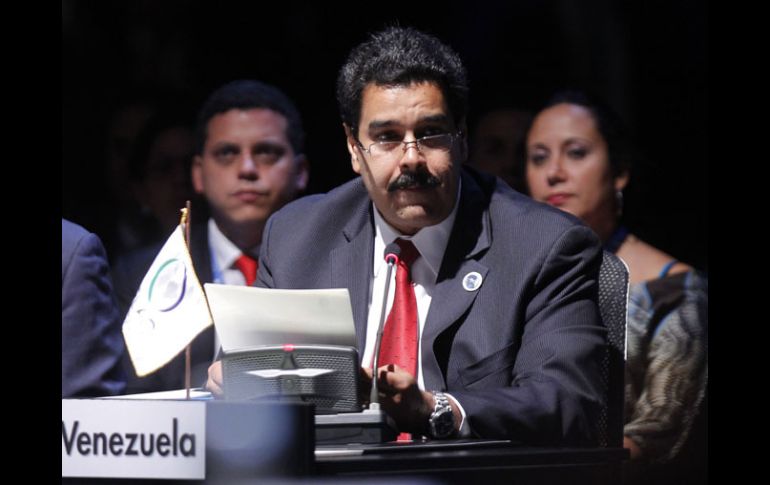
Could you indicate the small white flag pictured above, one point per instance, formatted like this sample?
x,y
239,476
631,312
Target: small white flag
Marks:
x,y
168,311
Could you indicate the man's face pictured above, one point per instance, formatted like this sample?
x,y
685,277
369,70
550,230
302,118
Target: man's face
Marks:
x,y
496,142
414,188
248,169
166,182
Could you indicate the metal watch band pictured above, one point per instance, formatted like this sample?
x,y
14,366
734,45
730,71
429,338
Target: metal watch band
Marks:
x,y
441,422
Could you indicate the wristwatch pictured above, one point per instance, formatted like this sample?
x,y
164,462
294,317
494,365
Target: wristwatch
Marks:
x,y
441,423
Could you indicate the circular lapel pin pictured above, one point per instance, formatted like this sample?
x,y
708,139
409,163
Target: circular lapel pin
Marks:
x,y
472,281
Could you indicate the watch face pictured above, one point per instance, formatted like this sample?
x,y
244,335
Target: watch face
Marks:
x,y
442,424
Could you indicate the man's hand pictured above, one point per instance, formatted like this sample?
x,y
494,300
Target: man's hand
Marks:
x,y
214,384
402,400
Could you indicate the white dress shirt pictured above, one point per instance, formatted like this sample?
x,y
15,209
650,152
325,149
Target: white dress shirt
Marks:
x,y
223,270
431,242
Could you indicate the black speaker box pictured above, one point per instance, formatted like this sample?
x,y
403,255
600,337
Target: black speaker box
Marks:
x,y
326,376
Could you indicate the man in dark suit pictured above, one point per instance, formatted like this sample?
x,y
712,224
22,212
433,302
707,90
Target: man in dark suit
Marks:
x,y
91,342
249,162
509,338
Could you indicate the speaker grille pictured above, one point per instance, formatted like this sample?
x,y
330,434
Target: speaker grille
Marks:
x,y
325,376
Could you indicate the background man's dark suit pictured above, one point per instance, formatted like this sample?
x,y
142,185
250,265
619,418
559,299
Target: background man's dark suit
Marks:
x,y
91,340
521,353
128,274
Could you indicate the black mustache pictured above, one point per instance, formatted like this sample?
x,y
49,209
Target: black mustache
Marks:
x,y
414,180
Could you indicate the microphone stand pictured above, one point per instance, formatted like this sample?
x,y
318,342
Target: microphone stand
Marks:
x,y
374,397
373,425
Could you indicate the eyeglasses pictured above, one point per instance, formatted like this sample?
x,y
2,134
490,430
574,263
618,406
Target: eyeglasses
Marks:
x,y
427,145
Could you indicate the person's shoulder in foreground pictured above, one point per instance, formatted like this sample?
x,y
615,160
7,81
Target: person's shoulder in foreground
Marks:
x,y
92,343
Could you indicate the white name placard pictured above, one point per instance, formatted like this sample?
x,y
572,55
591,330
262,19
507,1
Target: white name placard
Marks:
x,y
133,439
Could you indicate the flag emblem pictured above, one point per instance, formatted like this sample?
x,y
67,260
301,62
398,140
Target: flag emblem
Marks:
x,y
169,309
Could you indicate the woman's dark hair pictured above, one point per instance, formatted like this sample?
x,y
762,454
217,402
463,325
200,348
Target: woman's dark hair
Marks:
x,y
621,150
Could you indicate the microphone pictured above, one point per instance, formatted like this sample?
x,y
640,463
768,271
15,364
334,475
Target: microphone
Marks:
x,y
392,253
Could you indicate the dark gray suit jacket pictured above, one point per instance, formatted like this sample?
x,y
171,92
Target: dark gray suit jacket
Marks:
x,y
522,353
91,338
128,273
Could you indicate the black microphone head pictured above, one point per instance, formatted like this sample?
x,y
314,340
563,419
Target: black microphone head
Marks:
x,y
392,253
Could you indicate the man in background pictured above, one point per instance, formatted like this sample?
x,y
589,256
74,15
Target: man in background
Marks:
x,y
249,162
498,144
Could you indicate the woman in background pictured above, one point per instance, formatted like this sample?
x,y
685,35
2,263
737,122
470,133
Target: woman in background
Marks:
x,y
579,160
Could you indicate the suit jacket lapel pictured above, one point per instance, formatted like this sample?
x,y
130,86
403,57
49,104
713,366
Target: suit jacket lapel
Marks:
x,y
203,345
351,265
200,252
470,236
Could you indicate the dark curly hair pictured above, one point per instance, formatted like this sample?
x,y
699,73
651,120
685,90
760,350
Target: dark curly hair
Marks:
x,y
400,56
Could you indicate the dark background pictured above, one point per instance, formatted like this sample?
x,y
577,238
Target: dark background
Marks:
x,y
648,59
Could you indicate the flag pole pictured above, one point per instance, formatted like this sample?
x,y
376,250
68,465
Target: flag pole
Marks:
x,y
185,221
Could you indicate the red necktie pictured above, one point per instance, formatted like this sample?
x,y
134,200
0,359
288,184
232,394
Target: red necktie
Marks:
x,y
400,336
248,266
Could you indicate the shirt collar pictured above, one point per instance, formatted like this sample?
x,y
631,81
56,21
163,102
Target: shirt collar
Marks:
x,y
222,249
430,241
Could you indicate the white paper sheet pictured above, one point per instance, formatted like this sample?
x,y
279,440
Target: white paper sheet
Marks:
x,y
246,317
196,393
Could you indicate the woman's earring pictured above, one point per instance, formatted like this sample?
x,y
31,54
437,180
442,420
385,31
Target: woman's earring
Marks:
x,y
619,203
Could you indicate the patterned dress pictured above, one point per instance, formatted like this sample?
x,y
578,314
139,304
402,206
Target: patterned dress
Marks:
x,y
667,363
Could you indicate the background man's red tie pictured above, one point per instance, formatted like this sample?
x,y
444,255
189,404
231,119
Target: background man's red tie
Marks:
x,y
400,336
248,267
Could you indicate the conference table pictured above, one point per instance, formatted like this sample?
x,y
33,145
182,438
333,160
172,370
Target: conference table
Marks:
x,y
221,442
472,461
